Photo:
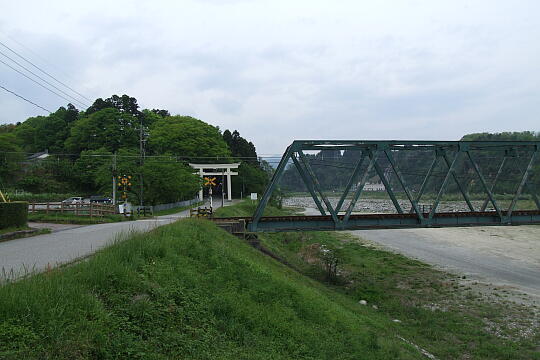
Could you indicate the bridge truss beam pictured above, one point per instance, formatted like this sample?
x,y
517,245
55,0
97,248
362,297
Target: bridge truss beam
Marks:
x,y
371,150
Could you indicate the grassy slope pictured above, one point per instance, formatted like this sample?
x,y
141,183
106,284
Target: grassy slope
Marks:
x,y
13,229
74,219
191,291
437,313
247,208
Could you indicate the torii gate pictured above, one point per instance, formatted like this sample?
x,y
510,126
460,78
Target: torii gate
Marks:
x,y
217,170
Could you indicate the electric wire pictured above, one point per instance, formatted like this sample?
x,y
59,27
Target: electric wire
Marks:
x,y
25,99
44,60
28,77
45,81
43,71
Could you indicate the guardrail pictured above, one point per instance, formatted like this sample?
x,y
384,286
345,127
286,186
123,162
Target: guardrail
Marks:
x,y
84,209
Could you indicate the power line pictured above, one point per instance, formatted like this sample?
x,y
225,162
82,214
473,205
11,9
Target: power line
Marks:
x,y
153,156
28,77
44,60
43,71
45,81
25,99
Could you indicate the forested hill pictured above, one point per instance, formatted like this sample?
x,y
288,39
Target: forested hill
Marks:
x,y
85,148
333,168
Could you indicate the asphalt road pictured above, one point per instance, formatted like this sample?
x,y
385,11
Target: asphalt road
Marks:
x,y
34,254
500,255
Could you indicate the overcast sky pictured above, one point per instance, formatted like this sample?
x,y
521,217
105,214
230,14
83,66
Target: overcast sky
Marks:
x,y
284,70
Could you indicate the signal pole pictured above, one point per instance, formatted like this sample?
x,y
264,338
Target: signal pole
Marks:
x,y
114,179
141,153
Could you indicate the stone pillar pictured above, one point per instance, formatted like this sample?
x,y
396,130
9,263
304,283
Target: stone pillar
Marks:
x,y
229,189
201,173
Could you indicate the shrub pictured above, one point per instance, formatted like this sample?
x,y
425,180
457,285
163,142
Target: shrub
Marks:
x,y
13,214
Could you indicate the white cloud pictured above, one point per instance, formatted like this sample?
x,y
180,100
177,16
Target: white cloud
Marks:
x,y
279,70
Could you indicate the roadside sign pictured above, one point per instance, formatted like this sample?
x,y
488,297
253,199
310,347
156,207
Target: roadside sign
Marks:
x,y
253,196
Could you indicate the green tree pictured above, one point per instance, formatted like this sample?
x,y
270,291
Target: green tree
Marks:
x,y
168,181
240,147
93,170
124,104
46,176
7,128
47,132
27,132
187,137
250,179
107,129
10,158
251,176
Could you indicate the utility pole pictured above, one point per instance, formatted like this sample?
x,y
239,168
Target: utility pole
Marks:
x,y
222,187
141,153
243,188
114,179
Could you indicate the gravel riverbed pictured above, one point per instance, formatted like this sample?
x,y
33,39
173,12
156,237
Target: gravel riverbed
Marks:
x,y
379,205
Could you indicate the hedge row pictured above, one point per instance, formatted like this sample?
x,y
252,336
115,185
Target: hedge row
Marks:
x,y
13,214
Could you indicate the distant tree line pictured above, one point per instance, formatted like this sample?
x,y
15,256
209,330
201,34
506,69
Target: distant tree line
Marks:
x,y
333,168
86,148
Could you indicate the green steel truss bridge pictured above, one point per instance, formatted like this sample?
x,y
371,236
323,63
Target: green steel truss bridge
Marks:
x,y
459,165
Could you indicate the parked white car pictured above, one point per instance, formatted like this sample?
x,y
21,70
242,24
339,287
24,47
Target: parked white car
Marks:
x,y
73,200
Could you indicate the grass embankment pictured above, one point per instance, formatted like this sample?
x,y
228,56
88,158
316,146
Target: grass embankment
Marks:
x,y
247,208
187,291
436,311
19,232
74,219
13,229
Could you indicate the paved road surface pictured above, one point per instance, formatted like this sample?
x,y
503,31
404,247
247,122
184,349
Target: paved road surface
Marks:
x,y
502,255
18,257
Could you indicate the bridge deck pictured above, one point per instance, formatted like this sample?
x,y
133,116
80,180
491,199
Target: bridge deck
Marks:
x,y
387,221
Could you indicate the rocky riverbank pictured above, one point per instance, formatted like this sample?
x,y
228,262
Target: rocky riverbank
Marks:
x,y
381,205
